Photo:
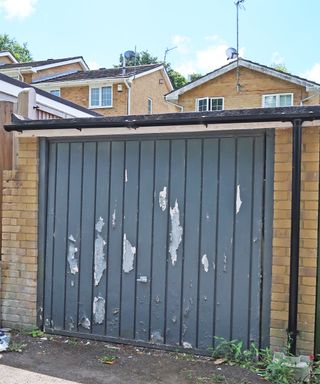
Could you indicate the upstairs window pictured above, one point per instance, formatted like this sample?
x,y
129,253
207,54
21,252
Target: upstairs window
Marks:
x,y
101,97
277,100
210,104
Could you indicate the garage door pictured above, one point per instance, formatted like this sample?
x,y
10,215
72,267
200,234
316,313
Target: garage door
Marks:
x,y
159,240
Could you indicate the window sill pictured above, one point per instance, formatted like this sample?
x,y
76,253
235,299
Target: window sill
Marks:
x,y
100,107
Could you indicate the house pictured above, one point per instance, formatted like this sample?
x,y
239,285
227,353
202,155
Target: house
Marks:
x,y
249,85
180,230
115,91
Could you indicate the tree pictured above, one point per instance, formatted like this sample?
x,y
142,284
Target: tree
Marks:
x,y
144,57
21,52
195,76
280,67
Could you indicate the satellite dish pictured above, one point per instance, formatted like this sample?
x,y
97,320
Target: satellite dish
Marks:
x,y
231,53
129,55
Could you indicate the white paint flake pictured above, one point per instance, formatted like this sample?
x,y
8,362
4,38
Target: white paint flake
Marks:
x,y
176,232
72,250
163,199
99,309
205,263
126,175
100,263
113,221
128,255
186,345
225,261
85,323
99,225
238,200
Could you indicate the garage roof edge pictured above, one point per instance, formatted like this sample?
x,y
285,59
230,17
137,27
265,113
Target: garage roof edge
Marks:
x,y
309,113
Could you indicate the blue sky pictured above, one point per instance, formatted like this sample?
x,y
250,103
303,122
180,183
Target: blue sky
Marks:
x,y
274,31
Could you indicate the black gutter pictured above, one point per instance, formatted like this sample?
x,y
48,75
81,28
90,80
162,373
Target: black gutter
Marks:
x,y
256,115
295,235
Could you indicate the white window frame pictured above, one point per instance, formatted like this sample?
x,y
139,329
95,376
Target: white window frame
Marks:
x,y
100,96
150,106
209,103
277,95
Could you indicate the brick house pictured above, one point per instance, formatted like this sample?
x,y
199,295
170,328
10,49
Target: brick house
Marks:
x,y
187,221
251,85
114,91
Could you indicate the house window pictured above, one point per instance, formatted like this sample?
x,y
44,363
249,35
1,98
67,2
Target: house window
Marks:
x,y
277,100
55,92
101,97
149,105
210,104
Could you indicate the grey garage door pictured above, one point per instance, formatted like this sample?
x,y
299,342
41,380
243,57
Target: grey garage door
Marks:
x,y
163,240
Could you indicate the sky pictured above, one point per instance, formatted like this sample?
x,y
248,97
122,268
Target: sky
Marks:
x,y
271,32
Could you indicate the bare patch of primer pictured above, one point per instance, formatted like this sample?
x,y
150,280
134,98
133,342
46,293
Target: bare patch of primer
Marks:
x,y
176,232
156,337
205,263
85,323
99,309
100,263
186,345
163,199
126,175
128,255
72,250
225,261
113,221
238,200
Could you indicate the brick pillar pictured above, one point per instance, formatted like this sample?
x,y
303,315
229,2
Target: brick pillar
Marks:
x,y
19,239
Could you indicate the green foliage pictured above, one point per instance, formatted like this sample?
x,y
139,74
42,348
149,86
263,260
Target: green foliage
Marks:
x,y
107,359
15,346
261,362
36,333
280,67
195,76
144,57
21,52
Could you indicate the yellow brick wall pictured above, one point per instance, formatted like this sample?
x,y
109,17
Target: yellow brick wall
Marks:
x,y
56,70
151,86
308,238
19,239
253,86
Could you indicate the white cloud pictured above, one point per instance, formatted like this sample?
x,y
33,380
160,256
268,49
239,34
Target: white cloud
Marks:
x,y
277,58
19,9
181,42
206,60
313,73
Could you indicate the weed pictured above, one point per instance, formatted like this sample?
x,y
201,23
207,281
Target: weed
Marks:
x,y
73,341
36,333
107,359
16,347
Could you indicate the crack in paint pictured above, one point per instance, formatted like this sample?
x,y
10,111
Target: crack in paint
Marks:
x,y
100,263
128,255
72,250
163,199
99,309
176,232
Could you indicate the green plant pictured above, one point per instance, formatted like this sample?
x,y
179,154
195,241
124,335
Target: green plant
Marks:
x,y
107,359
15,346
36,333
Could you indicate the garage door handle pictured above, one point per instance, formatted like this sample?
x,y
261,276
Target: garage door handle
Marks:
x,y
142,279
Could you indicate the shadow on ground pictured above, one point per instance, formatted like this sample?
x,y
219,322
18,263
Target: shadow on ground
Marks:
x,y
92,362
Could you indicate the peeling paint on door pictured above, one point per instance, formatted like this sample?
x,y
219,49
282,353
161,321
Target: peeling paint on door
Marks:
x,y
100,263
72,250
126,175
205,263
99,309
128,255
163,199
113,220
238,200
85,322
156,337
176,232
186,345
